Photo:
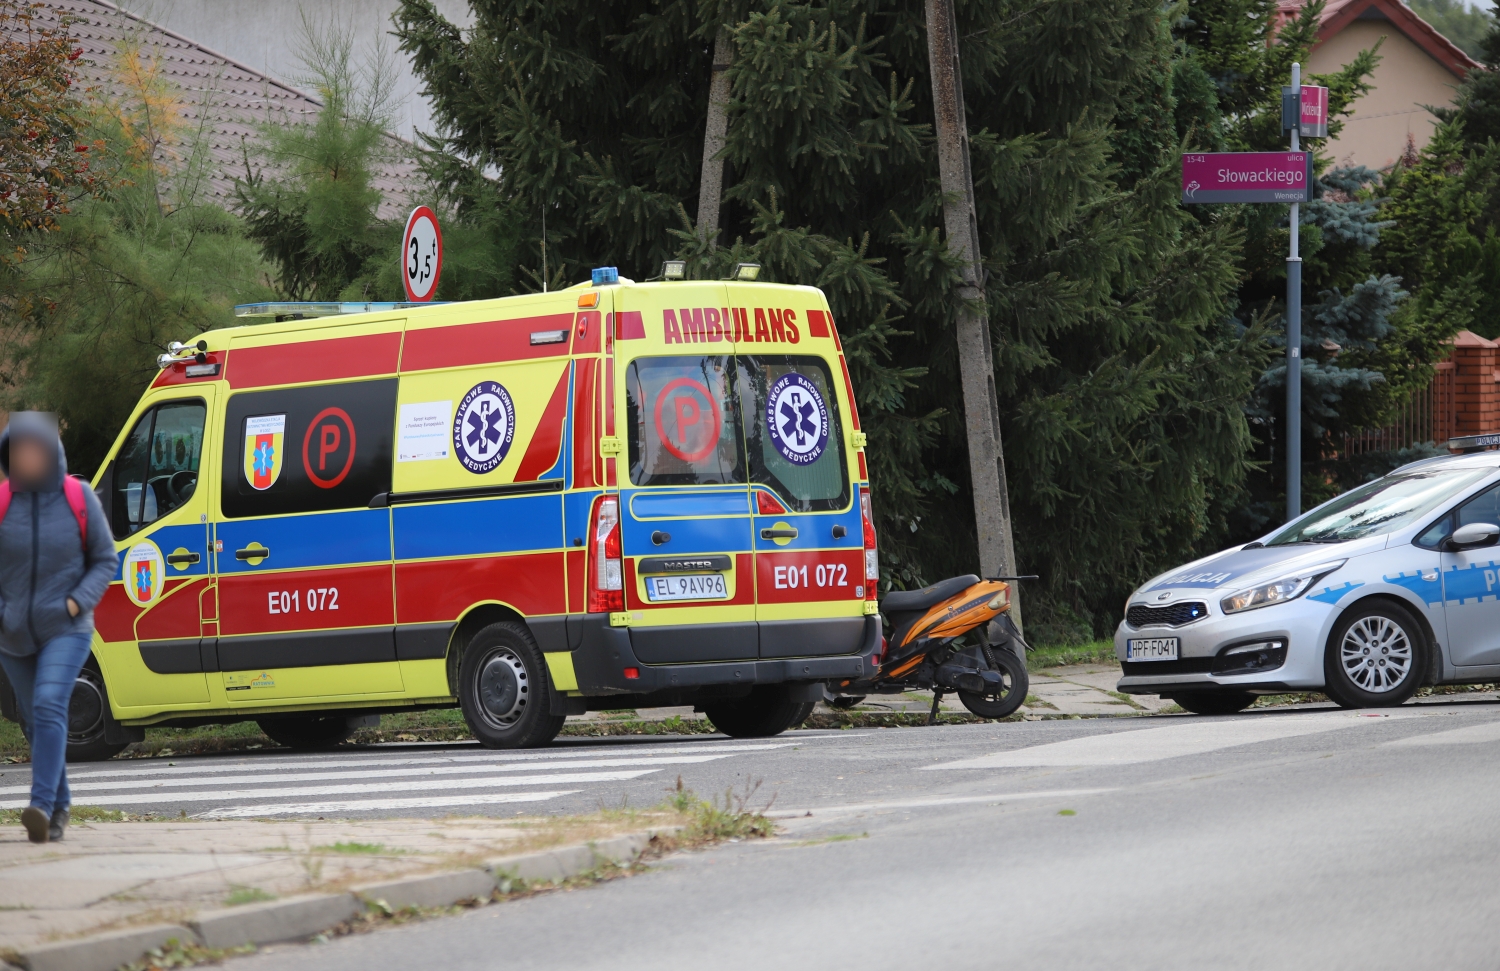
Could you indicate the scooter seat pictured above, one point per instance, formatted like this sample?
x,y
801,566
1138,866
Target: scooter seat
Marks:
x,y
905,601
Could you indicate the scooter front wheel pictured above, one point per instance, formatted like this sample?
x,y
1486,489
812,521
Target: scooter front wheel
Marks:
x,y
1004,701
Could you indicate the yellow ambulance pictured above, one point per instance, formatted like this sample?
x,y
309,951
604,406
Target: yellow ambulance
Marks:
x,y
619,495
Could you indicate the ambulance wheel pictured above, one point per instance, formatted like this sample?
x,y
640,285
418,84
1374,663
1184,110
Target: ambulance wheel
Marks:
x,y
767,710
503,689
309,733
89,718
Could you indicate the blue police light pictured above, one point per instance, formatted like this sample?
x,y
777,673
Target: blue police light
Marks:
x,y
605,275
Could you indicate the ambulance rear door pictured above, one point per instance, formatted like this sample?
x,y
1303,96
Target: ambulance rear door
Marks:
x,y
685,506
797,421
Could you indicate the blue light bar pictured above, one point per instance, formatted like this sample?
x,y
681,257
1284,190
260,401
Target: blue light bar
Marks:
x,y
605,275
297,309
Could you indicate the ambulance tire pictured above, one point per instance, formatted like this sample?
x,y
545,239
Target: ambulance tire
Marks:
x,y
767,710
307,733
504,690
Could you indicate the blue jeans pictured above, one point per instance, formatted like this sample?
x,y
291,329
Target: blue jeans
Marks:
x,y
44,686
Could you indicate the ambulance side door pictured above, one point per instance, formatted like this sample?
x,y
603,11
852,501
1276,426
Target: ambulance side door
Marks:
x,y
156,494
306,607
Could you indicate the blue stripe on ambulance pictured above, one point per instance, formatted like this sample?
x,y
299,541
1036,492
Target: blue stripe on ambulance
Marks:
x,y
314,539
513,524
193,538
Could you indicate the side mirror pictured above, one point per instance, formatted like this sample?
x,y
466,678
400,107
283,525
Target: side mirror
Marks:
x,y
1473,535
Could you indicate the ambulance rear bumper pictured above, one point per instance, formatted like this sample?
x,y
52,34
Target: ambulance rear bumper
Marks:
x,y
605,653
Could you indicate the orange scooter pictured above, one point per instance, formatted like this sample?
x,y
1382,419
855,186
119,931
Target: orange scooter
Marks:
x,y
955,636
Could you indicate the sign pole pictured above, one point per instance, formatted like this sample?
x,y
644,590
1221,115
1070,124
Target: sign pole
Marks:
x,y
1293,436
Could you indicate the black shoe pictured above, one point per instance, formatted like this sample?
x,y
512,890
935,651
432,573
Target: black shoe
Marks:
x,y
36,824
59,825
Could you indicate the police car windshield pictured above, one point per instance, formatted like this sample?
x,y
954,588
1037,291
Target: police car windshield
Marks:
x,y
1379,507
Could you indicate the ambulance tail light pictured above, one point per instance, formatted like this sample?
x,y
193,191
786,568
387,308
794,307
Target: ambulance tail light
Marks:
x,y
606,573
872,560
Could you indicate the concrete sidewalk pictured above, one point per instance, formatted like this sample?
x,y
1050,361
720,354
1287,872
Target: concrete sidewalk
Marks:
x,y
217,879
1078,689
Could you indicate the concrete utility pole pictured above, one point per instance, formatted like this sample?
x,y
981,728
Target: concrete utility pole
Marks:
x,y
997,552
711,183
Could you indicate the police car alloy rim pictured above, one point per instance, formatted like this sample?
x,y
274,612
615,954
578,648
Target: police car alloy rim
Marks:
x,y
1376,654
504,688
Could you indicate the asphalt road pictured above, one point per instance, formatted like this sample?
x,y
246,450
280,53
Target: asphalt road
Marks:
x,y
1308,838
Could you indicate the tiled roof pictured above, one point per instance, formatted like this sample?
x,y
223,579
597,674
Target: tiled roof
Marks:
x,y
1338,14
230,99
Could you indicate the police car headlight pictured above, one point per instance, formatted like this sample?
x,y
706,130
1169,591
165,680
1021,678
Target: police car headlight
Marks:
x,y
1279,590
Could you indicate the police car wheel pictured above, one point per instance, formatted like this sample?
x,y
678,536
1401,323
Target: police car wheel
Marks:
x,y
1375,656
504,690
767,710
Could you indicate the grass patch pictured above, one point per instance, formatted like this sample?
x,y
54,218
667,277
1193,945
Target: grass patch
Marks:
x,y
1060,655
76,814
676,725
371,849
240,895
176,954
1296,698
1032,701
835,838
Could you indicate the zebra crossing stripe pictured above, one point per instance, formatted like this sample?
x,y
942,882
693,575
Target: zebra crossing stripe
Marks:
x,y
372,805
381,773
136,798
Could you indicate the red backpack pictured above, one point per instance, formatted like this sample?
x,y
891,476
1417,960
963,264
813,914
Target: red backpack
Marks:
x,y
72,491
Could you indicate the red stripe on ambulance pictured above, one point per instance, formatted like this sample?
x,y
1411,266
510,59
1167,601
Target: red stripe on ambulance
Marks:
x,y
322,599
809,575
441,590
489,342
545,445
337,359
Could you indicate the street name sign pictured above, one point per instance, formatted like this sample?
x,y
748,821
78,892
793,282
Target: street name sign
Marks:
x,y
1246,177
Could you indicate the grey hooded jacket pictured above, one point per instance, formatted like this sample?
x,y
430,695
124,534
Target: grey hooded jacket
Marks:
x,y
42,560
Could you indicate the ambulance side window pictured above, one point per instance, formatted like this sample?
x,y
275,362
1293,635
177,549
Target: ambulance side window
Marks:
x,y
793,434
157,468
308,449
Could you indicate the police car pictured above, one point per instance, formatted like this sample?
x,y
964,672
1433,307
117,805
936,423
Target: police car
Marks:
x,y
1386,588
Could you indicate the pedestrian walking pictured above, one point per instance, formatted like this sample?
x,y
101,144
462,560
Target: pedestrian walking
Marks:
x,y
57,557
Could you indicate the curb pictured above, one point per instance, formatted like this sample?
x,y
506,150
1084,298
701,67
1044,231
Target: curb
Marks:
x,y
294,918
102,951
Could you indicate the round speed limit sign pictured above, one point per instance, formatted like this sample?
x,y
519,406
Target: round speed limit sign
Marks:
x,y
421,254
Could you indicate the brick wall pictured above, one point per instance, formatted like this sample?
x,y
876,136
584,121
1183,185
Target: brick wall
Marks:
x,y
1476,393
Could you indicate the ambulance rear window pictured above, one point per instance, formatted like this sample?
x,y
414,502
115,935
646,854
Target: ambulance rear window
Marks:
x,y
684,426
793,436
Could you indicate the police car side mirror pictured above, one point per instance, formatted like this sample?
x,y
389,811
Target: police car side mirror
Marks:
x,y
1473,535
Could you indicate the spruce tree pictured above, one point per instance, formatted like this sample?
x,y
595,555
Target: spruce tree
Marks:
x,y
1120,372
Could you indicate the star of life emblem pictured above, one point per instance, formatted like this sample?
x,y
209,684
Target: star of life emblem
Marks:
x,y
797,419
484,427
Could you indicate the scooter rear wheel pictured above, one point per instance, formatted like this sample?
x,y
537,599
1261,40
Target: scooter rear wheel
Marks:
x,y
1012,693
